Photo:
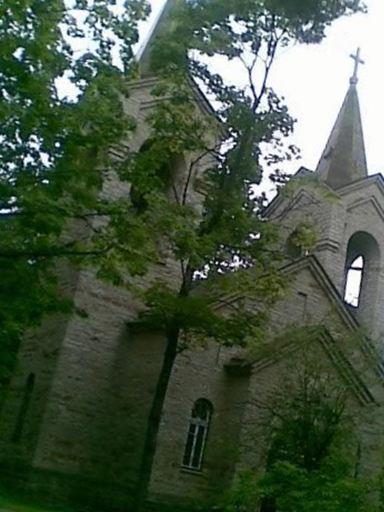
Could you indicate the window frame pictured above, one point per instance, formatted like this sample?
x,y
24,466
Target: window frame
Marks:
x,y
198,429
24,408
354,267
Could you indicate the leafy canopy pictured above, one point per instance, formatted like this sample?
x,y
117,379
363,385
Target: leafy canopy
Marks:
x,y
235,145
52,146
313,457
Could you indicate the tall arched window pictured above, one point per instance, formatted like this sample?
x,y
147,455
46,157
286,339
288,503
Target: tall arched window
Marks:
x,y
155,168
292,247
354,279
362,268
197,434
28,390
301,241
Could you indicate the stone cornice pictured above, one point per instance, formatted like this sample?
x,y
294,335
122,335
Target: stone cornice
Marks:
x,y
322,278
366,200
376,179
339,360
200,98
328,245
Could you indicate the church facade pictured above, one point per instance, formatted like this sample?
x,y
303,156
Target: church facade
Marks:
x,y
74,418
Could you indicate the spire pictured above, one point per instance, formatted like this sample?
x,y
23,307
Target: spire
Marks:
x,y
343,160
158,29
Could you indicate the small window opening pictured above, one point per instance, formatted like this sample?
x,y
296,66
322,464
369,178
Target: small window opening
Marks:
x,y
293,246
158,175
20,422
353,282
197,435
301,241
161,178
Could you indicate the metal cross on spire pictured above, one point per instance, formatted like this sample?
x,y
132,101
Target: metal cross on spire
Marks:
x,y
358,60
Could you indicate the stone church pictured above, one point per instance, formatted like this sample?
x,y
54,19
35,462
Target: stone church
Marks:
x,y
73,421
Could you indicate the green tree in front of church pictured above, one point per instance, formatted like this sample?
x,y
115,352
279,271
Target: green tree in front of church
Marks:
x,y
314,455
54,145
228,248
53,151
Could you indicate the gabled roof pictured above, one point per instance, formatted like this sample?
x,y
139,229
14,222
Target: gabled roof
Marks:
x,y
332,347
320,275
159,27
333,351
376,179
317,270
366,202
313,264
152,81
303,173
303,178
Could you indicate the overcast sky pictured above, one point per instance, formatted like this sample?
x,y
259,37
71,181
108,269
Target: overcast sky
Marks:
x,y
314,80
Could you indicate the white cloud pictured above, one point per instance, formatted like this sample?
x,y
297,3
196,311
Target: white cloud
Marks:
x,y
314,80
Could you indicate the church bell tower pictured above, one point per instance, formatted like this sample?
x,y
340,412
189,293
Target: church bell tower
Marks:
x,y
344,205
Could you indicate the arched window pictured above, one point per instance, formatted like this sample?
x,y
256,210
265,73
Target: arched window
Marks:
x,y
362,268
197,434
353,282
301,241
154,169
28,390
292,247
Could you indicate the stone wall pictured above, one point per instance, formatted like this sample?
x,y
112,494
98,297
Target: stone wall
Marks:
x,y
21,415
238,438
335,217
200,373
94,377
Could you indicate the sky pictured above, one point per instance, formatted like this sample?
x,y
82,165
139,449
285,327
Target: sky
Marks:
x,y
314,79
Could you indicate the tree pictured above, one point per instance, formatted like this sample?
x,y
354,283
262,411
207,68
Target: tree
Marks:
x,y
53,147
313,456
53,151
214,249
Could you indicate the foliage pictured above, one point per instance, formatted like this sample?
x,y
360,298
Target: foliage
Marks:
x,y
54,151
309,419
312,461
291,488
52,146
235,145
216,235
303,238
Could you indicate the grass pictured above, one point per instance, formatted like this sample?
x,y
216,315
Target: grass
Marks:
x,y
15,505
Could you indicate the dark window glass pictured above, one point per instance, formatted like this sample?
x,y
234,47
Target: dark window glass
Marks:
x,y
292,247
197,435
20,422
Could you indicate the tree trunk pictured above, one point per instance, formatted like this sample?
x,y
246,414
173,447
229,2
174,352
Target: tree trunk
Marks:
x,y
155,418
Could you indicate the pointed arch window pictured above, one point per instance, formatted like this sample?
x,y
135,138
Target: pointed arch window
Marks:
x,y
197,434
24,407
292,247
354,281
301,241
155,169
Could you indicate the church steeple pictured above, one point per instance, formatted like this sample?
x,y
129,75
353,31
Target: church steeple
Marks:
x,y
159,28
344,160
